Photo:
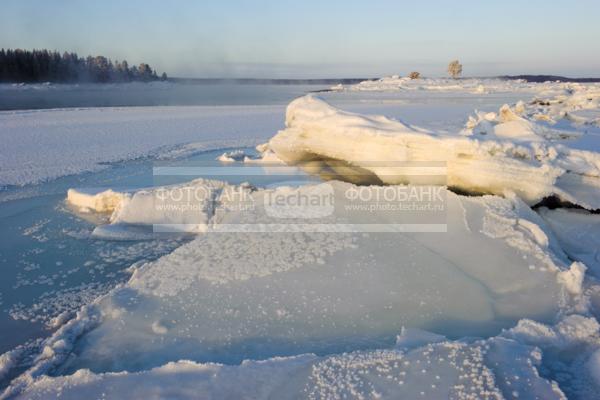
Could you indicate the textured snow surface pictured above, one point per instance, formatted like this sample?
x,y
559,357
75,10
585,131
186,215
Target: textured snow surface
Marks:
x,y
42,145
276,294
493,369
420,365
502,304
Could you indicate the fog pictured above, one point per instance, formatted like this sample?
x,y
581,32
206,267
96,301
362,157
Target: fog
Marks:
x,y
179,92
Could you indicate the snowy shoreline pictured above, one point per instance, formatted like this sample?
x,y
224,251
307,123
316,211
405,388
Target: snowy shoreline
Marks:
x,y
513,299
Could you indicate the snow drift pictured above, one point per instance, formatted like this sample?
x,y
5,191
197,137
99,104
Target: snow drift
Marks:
x,y
317,133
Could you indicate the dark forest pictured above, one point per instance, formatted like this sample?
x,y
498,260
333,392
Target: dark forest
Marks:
x,y
51,66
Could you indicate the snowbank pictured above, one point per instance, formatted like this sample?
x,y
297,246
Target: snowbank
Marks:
x,y
509,124
316,131
473,86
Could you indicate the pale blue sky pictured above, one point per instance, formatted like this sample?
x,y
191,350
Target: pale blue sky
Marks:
x,y
239,38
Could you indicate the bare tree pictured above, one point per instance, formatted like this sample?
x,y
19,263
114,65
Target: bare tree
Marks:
x,y
455,69
414,75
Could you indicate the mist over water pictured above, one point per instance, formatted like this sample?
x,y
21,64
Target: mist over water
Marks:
x,y
209,93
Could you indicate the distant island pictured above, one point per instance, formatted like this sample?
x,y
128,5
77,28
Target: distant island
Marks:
x,y
50,66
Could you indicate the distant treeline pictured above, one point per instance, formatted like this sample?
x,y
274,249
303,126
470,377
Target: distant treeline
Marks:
x,y
50,66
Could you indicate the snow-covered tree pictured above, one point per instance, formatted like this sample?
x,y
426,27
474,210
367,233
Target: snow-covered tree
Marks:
x,y
455,69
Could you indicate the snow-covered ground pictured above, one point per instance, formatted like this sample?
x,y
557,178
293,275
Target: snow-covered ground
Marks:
x,y
46,144
486,292
476,86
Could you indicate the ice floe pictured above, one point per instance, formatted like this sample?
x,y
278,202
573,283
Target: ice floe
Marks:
x,y
187,207
265,156
317,132
275,294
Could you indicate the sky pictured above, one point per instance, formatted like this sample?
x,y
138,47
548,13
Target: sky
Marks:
x,y
317,39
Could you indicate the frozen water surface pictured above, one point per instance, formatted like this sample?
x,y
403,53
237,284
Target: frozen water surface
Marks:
x,y
53,265
501,303
292,293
